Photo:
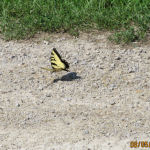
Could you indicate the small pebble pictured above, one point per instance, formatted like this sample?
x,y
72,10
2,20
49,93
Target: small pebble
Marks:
x,y
46,42
117,58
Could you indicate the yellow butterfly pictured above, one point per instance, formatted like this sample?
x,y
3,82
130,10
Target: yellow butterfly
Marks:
x,y
57,63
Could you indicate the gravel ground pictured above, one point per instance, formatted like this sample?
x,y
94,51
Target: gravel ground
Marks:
x,y
102,104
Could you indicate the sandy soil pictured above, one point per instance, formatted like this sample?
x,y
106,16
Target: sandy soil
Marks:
x,y
102,104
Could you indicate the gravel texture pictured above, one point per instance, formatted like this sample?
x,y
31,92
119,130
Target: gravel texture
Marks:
x,y
102,104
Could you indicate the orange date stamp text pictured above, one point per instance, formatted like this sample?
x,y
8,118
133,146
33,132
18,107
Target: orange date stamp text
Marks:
x,y
138,144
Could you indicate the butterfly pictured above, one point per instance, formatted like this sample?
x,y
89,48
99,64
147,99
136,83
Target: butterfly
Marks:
x,y
57,63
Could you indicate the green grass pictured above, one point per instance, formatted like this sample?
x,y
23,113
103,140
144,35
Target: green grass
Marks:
x,y
128,19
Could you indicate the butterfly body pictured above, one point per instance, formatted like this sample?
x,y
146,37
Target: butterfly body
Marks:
x,y
57,63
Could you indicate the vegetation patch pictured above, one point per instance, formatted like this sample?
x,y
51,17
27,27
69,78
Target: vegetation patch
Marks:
x,y
128,19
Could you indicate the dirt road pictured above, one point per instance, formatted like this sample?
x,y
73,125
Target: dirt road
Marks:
x,y
103,103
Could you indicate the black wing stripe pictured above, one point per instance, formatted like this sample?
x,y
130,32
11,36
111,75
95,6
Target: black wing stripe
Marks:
x,y
53,59
53,64
54,49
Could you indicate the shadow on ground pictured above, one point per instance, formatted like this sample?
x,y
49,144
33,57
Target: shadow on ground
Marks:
x,y
68,77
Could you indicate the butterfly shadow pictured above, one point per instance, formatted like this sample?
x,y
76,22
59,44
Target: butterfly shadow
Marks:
x,y
68,77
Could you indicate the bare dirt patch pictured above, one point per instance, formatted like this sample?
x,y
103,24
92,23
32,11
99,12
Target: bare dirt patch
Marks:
x,y
103,103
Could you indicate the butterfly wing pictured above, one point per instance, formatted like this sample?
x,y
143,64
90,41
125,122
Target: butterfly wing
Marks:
x,y
56,61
